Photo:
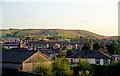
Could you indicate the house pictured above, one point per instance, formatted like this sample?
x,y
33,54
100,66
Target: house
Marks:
x,y
50,53
94,56
14,44
56,46
10,46
117,58
23,59
69,47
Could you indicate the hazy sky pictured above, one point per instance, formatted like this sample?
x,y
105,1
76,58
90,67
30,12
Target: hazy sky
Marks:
x,y
99,16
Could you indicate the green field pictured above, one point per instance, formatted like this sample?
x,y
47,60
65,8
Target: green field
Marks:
x,y
51,32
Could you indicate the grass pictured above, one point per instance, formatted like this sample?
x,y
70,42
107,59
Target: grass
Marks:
x,y
53,32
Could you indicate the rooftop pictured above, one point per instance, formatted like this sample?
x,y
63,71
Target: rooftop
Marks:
x,y
16,55
90,54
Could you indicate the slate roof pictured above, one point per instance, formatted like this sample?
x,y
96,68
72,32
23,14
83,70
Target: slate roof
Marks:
x,y
11,43
59,42
16,55
89,54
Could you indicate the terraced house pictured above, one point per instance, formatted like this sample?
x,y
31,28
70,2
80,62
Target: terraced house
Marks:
x,y
23,59
99,57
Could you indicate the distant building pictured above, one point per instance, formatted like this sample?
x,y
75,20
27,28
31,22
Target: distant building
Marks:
x,y
50,53
117,58
69,47
11,46
23,59
94,56
56,46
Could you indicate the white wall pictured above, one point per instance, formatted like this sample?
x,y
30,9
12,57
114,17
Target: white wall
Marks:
x,y
75,60
101,61
91,60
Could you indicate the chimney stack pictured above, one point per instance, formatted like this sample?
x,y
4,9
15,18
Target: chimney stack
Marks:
x,y
91,46
81,46
34,48
105,48
20,44
47,45
76,46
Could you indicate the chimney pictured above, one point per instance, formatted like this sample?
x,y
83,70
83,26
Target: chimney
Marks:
x,y
105,48
76,46
26,41
91,46
34,48
47,45
20,43
81,46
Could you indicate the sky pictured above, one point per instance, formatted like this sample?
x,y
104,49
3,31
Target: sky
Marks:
x,y
98,16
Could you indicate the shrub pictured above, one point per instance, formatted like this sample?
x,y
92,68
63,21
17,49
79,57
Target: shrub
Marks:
x,y
43,69
61,66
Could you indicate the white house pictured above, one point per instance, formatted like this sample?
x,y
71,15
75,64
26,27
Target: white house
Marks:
x,y
99,57
69,47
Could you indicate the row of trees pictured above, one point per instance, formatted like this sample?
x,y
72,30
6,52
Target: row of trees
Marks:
x,y
113,48
88,45
61,67
85,39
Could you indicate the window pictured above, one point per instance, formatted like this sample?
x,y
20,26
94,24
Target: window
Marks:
x,y
97,61
105,61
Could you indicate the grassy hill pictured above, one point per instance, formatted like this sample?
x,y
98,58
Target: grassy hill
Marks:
x,y
51,32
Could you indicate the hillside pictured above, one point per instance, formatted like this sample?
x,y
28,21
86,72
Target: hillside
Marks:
x,y
51,32
114,37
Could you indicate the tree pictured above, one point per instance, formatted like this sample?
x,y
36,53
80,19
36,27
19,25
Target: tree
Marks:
x,y
83,65
86,46
42,68
4,48
97,46
69,52
61,66
8,35
33,38
114,48
28,38
61,53
22,36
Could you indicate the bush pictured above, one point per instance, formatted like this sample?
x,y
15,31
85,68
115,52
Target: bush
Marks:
x,y
61,66
43,69
86,73
83,65
106,70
